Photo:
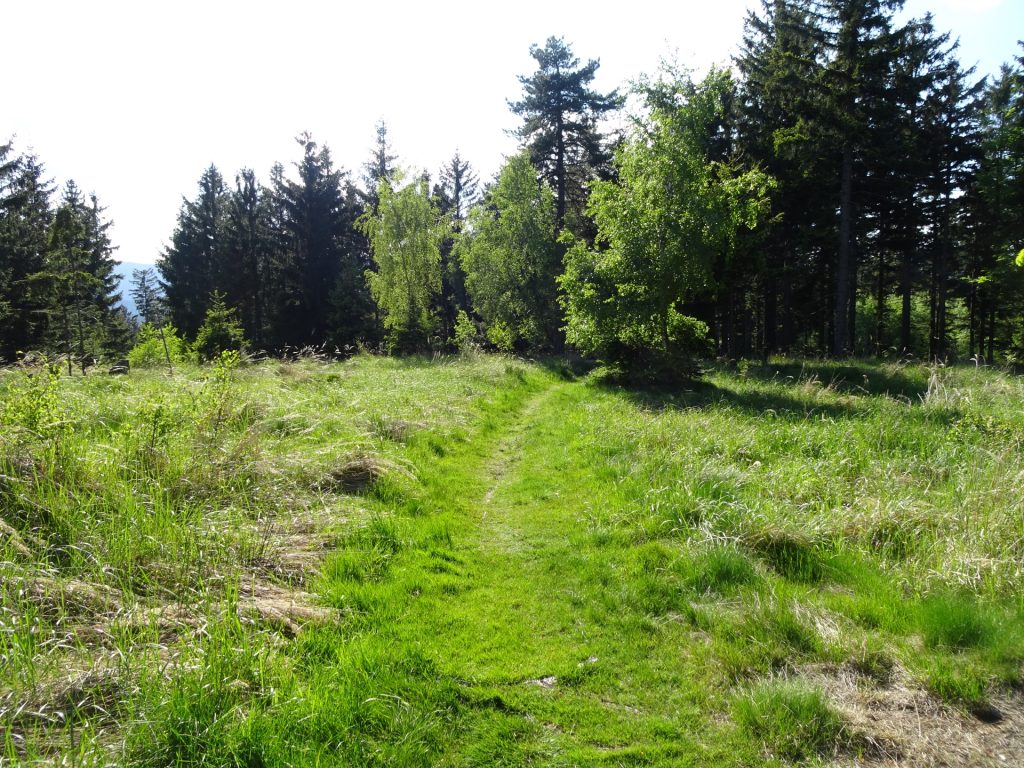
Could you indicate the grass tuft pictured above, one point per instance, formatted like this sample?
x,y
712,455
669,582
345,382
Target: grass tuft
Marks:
x,y
790,720
955,621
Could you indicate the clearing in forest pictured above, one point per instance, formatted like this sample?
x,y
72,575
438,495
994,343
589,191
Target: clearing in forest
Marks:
x,y
482,561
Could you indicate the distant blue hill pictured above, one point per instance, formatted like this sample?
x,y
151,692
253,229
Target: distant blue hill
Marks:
x,y
124,274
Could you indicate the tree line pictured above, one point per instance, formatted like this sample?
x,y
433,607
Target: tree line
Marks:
x,y
848,187
58,288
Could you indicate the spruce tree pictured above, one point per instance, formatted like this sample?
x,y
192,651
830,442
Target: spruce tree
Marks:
x,y
455,195
191,265
380,168
25,220
322,296
244,268
78,280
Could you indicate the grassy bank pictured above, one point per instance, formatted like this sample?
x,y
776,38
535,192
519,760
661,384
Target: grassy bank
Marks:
x,y
486,562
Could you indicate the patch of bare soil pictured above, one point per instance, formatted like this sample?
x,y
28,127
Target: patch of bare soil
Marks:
x,y
900,724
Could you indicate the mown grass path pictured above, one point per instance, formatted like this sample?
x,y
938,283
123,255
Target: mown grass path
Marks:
x,y
524,616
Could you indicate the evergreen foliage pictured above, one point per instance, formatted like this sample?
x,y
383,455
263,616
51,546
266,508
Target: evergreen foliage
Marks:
x,y
560,114
895,222
25,220
220,332
192,266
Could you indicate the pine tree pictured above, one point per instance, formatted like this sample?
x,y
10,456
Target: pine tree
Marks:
x,y
560,114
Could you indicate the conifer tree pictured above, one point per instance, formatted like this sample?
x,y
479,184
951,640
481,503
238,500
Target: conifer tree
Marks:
x,y
380,168
560,115
25,220
455,195
244,268
322,295
78,280
191,265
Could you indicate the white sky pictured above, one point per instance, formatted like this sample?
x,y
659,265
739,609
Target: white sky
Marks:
x,y
134,99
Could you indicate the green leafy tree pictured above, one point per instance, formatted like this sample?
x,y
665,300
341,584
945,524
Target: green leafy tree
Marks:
x,y
560,115
672,212
405,236
510,255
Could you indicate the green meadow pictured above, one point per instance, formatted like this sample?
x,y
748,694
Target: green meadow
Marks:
x,y
483,561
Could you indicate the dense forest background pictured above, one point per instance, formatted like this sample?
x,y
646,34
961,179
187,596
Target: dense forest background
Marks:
x,y
847,188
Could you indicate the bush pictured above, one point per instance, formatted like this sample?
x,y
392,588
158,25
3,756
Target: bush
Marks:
x,y
149,351
465,332
220,332
501,336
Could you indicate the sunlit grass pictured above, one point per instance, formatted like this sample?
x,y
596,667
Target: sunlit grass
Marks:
x,y
493,562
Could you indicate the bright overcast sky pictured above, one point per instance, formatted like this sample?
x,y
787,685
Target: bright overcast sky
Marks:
x,y
134,99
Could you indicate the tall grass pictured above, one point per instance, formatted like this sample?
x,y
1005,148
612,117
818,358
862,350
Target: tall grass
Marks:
x,y
482,561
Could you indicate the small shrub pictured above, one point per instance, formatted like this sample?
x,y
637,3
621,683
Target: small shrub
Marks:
x,y
502,336
220,332
792,721
465,333
149,351
33,403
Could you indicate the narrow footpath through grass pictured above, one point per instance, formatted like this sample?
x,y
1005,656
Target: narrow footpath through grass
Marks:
x,y
547,656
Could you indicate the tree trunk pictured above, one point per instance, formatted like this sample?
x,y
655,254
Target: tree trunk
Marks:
x,y
844,275
880,304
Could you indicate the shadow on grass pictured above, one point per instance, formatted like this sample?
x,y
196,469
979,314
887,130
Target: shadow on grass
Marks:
x,y
701,394
854,377
786,399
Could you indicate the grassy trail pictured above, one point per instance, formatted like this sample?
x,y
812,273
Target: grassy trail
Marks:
x,y
498,566
522,615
